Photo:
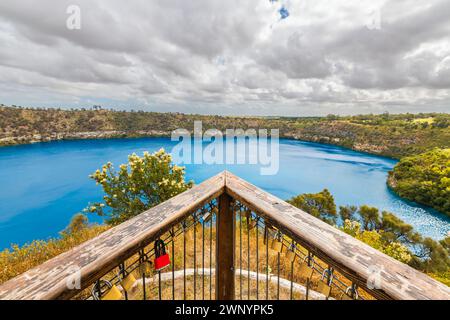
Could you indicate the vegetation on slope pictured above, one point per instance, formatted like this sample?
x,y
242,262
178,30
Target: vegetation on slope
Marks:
x,y
17,260
385,232
388,135
424,178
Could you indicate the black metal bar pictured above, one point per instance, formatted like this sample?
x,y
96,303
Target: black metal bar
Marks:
x,y
210,256
184,261
267,262
203,259
173,264
144,290
122,272
278,274
307,279
159,286
195,258
248,255
292,280
240,254
257,258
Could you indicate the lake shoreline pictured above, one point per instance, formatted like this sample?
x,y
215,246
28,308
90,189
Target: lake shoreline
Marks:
x,y
105,135
115,134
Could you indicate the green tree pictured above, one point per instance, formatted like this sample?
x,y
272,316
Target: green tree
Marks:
x,y
370,217
388,233
347,212
396,229
320,205
78,223
138,185
431,257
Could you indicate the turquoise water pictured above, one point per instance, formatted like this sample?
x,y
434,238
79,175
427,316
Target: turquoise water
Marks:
x,y
43,185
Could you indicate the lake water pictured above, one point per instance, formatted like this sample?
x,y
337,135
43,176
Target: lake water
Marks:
x,y
43,185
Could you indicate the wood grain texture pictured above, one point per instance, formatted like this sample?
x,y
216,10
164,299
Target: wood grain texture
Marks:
x,y
354,258
98,256
225,249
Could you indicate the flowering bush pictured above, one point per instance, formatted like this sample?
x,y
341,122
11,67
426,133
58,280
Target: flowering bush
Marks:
x,y
375,239
138,185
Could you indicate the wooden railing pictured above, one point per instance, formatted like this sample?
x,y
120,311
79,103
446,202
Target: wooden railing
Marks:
x,y
343,266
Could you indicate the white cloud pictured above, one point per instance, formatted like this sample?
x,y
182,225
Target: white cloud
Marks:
x,y
229,57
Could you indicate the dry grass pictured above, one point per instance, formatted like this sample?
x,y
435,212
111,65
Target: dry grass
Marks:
x,y
17,260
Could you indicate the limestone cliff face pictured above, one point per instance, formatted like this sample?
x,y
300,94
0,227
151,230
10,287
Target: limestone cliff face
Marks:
x,y
55,136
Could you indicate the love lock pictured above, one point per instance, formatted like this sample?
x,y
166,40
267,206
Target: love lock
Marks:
x,y
290,254
350,291
145,266
305,270
112,293
276,243
127,281
252,224
325,287
206,217
162,259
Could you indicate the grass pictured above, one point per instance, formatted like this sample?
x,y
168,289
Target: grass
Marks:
x,y
17,260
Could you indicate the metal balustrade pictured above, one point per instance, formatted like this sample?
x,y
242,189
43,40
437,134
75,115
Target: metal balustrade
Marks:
x,y
226,239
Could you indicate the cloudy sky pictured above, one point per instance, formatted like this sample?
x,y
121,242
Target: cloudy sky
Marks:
x,y
228,57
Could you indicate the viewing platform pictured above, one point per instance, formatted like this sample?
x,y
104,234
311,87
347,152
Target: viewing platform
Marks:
x,y
226,239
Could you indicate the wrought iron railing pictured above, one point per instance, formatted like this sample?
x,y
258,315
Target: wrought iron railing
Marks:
x,y
226,239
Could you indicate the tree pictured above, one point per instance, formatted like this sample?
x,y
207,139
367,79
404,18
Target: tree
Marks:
x,y
370,217
138,185
78,223
320,205
388,234
396,229
432,257
446,243
347,212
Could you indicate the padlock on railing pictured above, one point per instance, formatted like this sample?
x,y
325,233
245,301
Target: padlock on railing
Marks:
x,y
290,254
145,266
305,269
127,280
325,287
253,223
276,243
162,259
112,293
350,294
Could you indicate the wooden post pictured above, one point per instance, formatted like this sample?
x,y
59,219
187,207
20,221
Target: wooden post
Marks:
x,y
225,246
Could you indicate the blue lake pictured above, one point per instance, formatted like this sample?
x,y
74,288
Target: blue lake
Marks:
x,y
43,185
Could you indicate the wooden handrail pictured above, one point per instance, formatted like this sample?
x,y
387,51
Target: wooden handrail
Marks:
x,y
100,255
398,280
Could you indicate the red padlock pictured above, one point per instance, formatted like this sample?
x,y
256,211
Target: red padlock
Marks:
x,y
162,259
